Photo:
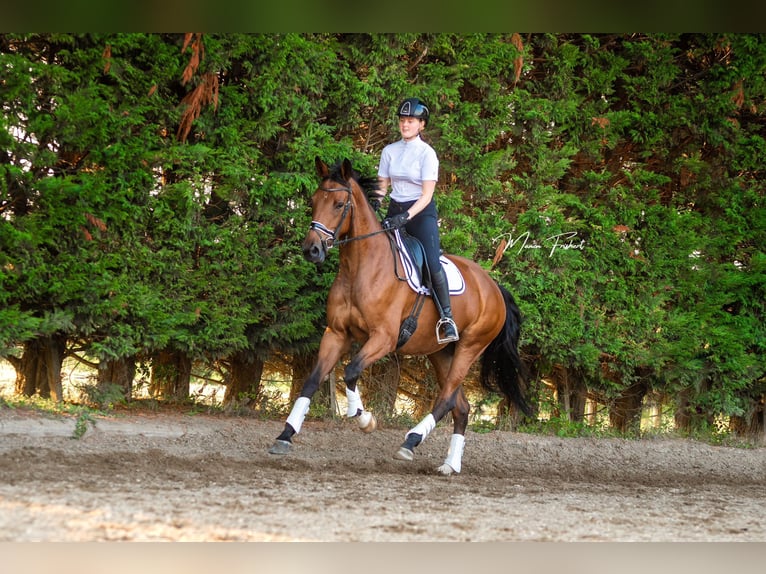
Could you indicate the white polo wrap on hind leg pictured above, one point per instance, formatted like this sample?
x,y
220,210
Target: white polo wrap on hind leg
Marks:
x,y
354,402
300,408
424,427
455,453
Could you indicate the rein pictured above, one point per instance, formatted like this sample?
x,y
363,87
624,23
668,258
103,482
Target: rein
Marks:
x,y
357,237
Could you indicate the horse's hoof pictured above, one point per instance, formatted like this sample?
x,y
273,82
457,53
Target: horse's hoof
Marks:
x,y
367,422
446,470
281,447
404,454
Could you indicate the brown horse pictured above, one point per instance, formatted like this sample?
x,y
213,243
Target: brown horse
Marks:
x,y
368,303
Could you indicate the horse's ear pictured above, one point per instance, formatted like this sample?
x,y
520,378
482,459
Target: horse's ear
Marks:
x,y
347,172
322,169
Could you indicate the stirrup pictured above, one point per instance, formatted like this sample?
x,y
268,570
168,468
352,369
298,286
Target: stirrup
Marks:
x,y
446,321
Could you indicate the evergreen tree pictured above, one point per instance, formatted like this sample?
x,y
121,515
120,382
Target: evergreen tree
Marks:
x,y
154,185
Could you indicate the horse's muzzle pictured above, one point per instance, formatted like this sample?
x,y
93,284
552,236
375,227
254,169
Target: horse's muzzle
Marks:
x,y
314,249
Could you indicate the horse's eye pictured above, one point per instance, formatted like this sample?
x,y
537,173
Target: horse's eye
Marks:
x,y
339,205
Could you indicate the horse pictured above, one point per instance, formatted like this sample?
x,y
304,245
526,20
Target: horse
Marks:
x,y
367,304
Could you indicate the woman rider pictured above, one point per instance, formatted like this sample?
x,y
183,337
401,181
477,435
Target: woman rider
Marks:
x,y
410,167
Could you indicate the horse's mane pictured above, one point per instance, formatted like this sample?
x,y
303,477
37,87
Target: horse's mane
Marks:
x,y
369,184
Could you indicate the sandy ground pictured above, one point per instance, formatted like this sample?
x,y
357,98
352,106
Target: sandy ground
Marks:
x,y
177,477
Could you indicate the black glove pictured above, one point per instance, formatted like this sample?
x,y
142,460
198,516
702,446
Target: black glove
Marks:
x,y
396,221
375,200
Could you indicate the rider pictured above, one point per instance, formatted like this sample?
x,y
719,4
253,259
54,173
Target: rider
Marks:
x,y
410,166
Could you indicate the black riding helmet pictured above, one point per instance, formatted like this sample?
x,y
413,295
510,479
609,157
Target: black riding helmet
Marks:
x,y
414,108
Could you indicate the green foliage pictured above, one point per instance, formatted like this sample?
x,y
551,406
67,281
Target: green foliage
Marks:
x,y
103,397
563,426
612,181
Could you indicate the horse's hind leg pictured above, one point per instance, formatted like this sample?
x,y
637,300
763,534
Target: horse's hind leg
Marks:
x,y
453,462
450,372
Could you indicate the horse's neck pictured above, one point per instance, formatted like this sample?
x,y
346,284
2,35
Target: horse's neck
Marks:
x,y
371,252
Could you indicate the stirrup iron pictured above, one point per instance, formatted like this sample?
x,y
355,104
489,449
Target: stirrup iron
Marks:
x,y
445,321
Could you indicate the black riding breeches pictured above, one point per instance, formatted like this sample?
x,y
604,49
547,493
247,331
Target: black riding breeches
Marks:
x,y
424,226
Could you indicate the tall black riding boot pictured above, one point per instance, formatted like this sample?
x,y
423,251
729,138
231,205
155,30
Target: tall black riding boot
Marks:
x,y
446,329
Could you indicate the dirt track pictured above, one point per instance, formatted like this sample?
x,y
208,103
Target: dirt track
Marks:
x,y
182,477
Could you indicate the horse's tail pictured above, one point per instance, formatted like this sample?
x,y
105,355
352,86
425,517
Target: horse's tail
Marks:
x,y
501,367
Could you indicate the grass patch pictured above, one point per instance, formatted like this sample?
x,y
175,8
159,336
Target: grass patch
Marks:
x,y
562,427
82,414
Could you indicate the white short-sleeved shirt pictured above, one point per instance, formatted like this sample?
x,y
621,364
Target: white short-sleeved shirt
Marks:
x,y
408,165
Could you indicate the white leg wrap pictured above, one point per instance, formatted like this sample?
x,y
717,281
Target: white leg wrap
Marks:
x,y
455,453
300,408
354,402
424,427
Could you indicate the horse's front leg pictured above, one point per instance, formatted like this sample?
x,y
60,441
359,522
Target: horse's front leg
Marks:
x,y
331,348
376,347
356,408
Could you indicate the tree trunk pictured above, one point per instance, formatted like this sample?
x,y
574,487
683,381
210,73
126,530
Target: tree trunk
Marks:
x,y
301,366
752,424
591,412
380,387
417,383
689,417
171,375
682,416
244,386
119,372
571,393
625,414
39,369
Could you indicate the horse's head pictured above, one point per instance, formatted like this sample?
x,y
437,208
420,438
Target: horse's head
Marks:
x,y
331,207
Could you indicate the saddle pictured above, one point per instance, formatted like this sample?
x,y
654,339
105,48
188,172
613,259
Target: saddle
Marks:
x,y
413,261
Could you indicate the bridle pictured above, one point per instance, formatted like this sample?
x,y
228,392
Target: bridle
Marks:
x,y
327,236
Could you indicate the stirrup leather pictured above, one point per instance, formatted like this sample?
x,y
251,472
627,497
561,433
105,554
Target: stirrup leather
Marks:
x,y
445,321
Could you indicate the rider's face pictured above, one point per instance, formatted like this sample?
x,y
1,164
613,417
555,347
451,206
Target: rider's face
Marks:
x,y
410,127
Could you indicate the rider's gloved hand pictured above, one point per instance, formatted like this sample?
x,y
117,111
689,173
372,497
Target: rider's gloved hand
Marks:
x,y
375,200
396,221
